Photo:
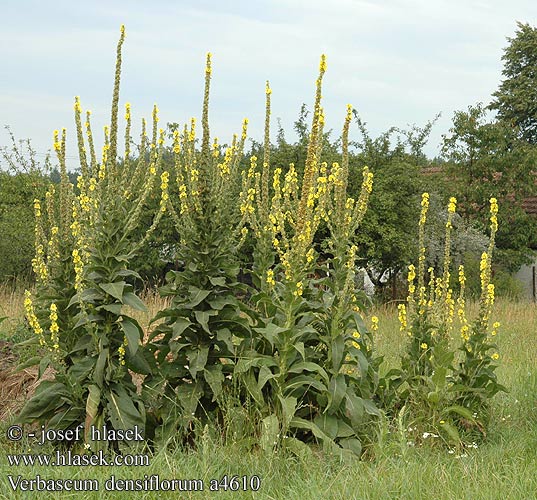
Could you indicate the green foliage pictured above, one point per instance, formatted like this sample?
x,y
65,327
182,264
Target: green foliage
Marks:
x,y
82,264
517,94
24,180
488,160
440,391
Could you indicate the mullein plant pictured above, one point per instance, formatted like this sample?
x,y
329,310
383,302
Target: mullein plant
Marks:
x,y
93,339
196,342
311,348
475,380
443,393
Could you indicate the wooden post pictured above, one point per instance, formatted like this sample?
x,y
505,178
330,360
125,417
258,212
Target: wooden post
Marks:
x,y
534,283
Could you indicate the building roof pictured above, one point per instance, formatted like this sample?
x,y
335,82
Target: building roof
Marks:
x,y
528,204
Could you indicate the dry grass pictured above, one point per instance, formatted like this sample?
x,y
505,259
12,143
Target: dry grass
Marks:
x,y
517,335
11,302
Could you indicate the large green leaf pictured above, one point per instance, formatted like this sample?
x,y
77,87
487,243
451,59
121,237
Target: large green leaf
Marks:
x,y
298,448
179,326
328,424
251,385
188,396
92,409
336,392
202,317
133,332
328,444
33,361
338,347
271,332
114,289
354,408
123,413
352,444
134,301
265,374
197,359
196,296
98,373
113,308
288,409
66,418
48,397
270,430
214,377
304,381
138,363
309,366
243,365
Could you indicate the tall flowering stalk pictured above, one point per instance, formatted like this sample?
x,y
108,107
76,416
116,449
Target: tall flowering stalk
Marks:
x,y
309,366
84,280
428,322
449,398
475,374
193,346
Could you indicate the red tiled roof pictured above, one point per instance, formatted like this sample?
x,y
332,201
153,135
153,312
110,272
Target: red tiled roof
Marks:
x,y
529,204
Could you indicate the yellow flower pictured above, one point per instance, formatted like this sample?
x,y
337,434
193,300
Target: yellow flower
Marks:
x,y
495,356
402,317
322,64
270,278
374,323
423,345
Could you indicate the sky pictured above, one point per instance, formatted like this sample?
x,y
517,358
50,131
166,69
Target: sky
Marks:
x,y
398,62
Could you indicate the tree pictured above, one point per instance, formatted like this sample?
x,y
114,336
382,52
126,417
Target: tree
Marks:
x,y
516,98
385,239
22,179
489,159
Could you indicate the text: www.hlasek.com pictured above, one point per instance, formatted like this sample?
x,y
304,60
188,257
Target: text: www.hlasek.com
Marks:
x,y
59,459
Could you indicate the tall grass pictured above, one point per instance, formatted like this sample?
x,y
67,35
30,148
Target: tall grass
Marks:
x,y
504,466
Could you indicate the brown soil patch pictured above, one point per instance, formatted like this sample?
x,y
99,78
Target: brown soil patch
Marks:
x,y
15,387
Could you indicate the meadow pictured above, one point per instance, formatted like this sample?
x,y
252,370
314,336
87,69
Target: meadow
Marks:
x,y
504,465
289,384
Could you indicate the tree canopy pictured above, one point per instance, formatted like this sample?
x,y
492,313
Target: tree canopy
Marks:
x,y
516,98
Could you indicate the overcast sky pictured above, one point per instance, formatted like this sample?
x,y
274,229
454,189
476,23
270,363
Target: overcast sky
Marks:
x,y
398,62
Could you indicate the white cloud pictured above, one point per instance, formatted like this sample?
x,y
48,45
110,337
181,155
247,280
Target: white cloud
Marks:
x,y
397,61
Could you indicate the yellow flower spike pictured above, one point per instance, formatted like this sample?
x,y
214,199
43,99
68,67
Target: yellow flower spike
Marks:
x,y
309,256
244,129
322,64
270,278
77,106
54,328
401,308
32,318
208,69
493,214
374,323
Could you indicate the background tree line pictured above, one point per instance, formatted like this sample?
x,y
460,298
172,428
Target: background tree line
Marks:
x,y
483,155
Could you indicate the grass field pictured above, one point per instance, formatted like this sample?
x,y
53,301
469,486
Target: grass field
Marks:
x,y
502,467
